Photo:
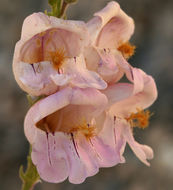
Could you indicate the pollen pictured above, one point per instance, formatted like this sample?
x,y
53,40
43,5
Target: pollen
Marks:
x,y
139,119
57,57
127,50
86,129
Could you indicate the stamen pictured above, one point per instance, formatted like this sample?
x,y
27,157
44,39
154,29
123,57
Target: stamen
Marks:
x,y
139,119
127,50
57,57
86,129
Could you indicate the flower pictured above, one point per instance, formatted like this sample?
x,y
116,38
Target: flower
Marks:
x,y
71,135
49,55
110,31
126,104
88,115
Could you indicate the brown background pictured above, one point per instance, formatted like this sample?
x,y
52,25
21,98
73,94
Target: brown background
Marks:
x,y
154,40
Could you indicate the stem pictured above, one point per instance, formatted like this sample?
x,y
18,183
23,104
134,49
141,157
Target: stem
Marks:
x,y
30,177
63,10
59,7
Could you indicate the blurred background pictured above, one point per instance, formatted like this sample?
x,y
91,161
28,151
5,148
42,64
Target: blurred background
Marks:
x,y
154,40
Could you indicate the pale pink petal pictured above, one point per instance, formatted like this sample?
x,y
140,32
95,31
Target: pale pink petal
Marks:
x,y
109,63
86,79
61,79
148,151
138,80
111,26
35,78
143,152
57,156
87,155
126,98
88,96
92,58
87,103
118,93
108,154
39,22
78,170
94,27
78,75
102,18
119,139
49,157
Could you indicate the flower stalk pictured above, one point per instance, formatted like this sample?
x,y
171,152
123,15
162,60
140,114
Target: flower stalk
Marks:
x,y
59,7
30,177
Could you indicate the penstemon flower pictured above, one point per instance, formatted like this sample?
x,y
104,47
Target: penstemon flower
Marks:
x,y
126,106
87,114
110,31
71,135
49,55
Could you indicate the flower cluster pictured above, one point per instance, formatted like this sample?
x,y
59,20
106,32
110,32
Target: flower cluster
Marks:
x,y
93,98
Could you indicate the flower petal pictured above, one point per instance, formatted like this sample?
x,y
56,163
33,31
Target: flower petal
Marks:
x,y
78,75
77,172
104,145
143,152
118,93
35,78
39,22
120,141
60,79
49,157
113,26
126,98
87,155
109,63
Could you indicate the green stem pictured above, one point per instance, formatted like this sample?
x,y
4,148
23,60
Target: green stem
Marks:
x,y
30,177
59,7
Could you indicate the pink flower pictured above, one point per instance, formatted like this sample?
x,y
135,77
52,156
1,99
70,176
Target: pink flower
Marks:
x,y
77,129
126,102
110,31
49,55
71,135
